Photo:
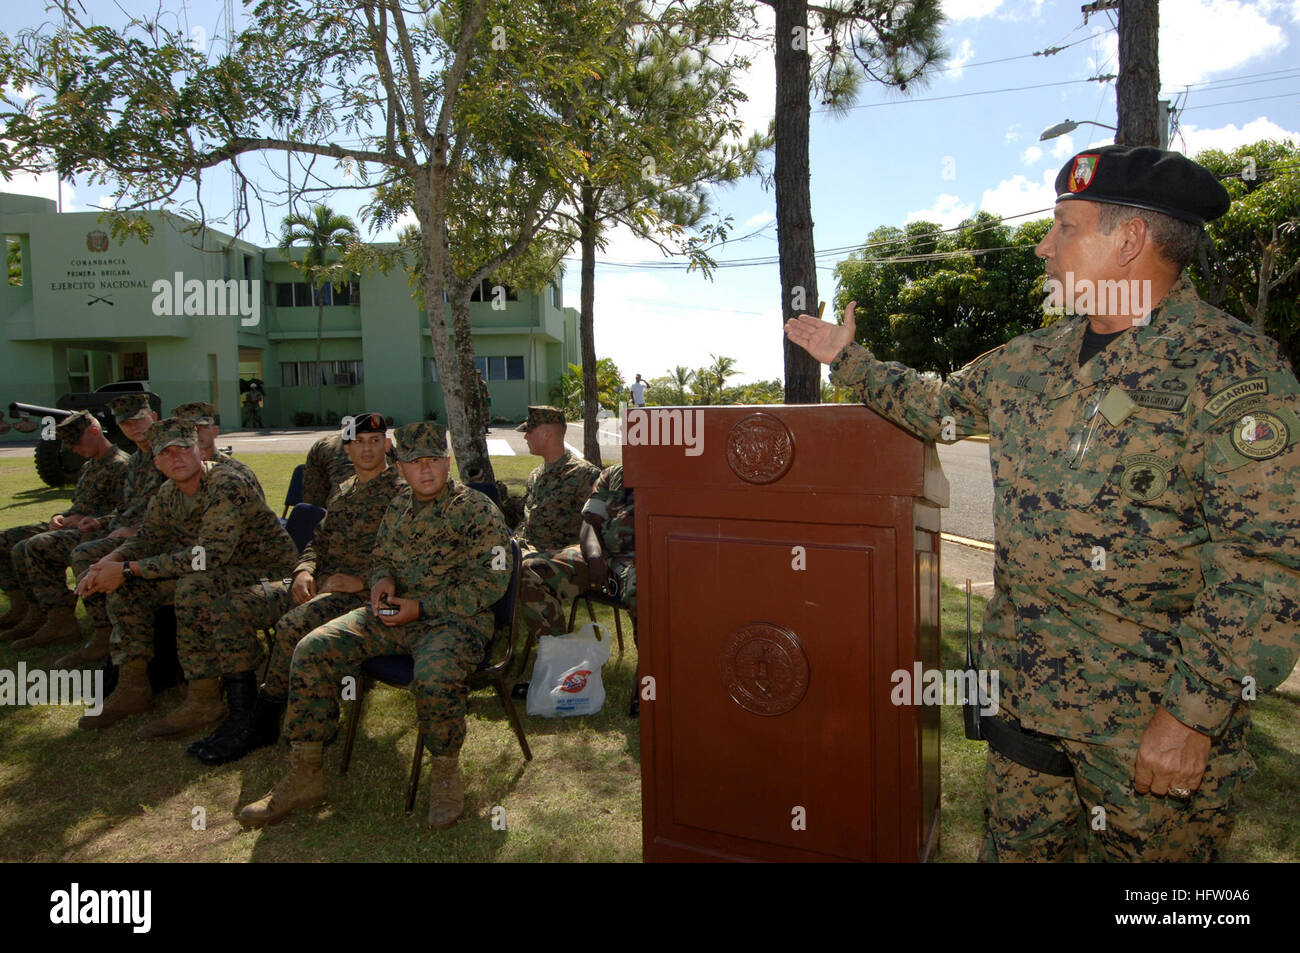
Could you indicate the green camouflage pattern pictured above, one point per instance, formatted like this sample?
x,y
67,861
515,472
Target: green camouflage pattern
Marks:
x,y
42,564
538,415
452,553
328,465
72,427
553,499
243,469
1198,601
82,558
425,438
198,412
141,482
345,538
171,432
225,516
129,406
100,486
1096,815
614,504
13,563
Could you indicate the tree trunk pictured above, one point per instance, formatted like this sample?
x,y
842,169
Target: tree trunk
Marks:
x,y
587,323
1137,91
468,444
794,225
1260,317
320,330
471,455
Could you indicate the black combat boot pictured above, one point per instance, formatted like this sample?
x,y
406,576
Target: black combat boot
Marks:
x,y
232,739
267,712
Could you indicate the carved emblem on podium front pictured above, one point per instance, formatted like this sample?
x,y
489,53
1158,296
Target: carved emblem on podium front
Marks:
x,y
764,669
760,449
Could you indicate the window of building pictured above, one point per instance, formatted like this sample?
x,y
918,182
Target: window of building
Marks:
x,y
283,294
557,296
432,369
300,294
494,368
331,373
484,292
515,368
14,258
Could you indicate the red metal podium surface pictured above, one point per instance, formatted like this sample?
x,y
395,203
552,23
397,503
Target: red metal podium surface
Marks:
x,y
785,570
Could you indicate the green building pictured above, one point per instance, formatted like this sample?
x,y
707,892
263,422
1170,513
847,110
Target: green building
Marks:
x,y
195,313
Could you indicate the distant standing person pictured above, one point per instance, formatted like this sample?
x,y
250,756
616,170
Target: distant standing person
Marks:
x,y
253,406
638,392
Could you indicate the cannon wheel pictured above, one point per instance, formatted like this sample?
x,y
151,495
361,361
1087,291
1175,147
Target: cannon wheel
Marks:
x,y
56,466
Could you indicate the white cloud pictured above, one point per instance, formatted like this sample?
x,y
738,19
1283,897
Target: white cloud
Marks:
x,y
959,59
1202,38
1031,155
947,210
1013,134
760,81
1192,139
44,186
969,9
1063,147
1018,194
762,218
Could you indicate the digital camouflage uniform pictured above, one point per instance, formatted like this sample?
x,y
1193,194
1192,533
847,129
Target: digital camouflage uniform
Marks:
x,y
553,500
242,543
453,554
1190,516
203,414
142,480
549,580
38,557
328,465
242,469
342,543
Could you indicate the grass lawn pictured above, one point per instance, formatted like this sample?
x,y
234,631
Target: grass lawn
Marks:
x,y
67,794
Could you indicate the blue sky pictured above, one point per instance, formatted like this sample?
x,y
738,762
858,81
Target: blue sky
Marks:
x,y
1232,66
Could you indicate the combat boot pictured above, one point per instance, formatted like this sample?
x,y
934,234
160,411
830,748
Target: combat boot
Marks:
x,y
202,707
92,652
60,626
233,737
17,609
447,794
33,620
302,787
131,695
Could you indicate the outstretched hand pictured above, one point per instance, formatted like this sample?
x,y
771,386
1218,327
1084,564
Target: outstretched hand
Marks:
x,y
822,339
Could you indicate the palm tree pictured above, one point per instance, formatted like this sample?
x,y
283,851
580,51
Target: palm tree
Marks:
x,y
321,231
681,379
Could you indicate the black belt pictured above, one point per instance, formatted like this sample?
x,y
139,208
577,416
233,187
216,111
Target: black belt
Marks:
x,y
1012,741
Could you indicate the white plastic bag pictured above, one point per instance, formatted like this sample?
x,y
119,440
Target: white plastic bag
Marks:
x,y
566,676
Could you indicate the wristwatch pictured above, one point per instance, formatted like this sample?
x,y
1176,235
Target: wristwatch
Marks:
x,y
127,572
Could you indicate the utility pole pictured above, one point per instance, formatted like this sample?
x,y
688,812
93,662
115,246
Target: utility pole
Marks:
x,y
1137,90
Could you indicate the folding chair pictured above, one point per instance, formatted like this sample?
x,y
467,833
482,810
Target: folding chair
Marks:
x,y
399,670
490,490
302,523
293,496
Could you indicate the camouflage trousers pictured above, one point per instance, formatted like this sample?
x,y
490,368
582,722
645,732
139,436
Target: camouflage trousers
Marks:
x,y
446,653
241,612
131,608
1039,817
82,558
548,580
39,563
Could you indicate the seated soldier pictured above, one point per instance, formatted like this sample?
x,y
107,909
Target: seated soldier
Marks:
x,y
441,559
557,489
604,559
329,580
328,465
33,559
204,533
134,416
203,416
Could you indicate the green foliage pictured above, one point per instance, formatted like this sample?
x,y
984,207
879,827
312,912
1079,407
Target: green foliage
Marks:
x,y
935,301
1260,232
610,389
709,384
760,392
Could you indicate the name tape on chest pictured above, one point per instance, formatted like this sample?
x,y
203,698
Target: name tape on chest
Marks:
x,y
1220,400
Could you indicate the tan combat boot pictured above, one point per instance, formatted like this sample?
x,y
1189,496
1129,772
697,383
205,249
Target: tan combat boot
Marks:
x,y
92,652
132,695
60,626
447,797
33,620
17,609
202,707
303,786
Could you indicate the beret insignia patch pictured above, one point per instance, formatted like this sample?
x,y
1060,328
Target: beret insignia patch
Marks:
x,y
1085,167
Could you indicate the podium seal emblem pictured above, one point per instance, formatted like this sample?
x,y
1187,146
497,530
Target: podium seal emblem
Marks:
x,y
764,668
760,449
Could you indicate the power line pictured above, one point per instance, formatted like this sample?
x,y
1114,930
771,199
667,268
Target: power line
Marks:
x,y
1046,51
982,92
1235,102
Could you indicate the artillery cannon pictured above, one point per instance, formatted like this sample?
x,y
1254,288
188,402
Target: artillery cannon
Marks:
x,y
58,466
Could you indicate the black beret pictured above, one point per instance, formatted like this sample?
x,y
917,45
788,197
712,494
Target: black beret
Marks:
x,y
369,423
1144,177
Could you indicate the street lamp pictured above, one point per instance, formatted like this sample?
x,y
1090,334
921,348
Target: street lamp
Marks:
x,y
1061,128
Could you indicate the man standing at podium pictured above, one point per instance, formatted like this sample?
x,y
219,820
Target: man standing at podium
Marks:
x,y
1145,461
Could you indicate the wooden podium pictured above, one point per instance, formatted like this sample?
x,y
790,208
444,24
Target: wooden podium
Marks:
x,y
787,566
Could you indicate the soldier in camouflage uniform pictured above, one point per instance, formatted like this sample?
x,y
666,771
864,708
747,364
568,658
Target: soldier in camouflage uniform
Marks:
x,y
1145,468
328,465
134,416
442,558
205,532
557,489
331,578
604,559
204,418
33,570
